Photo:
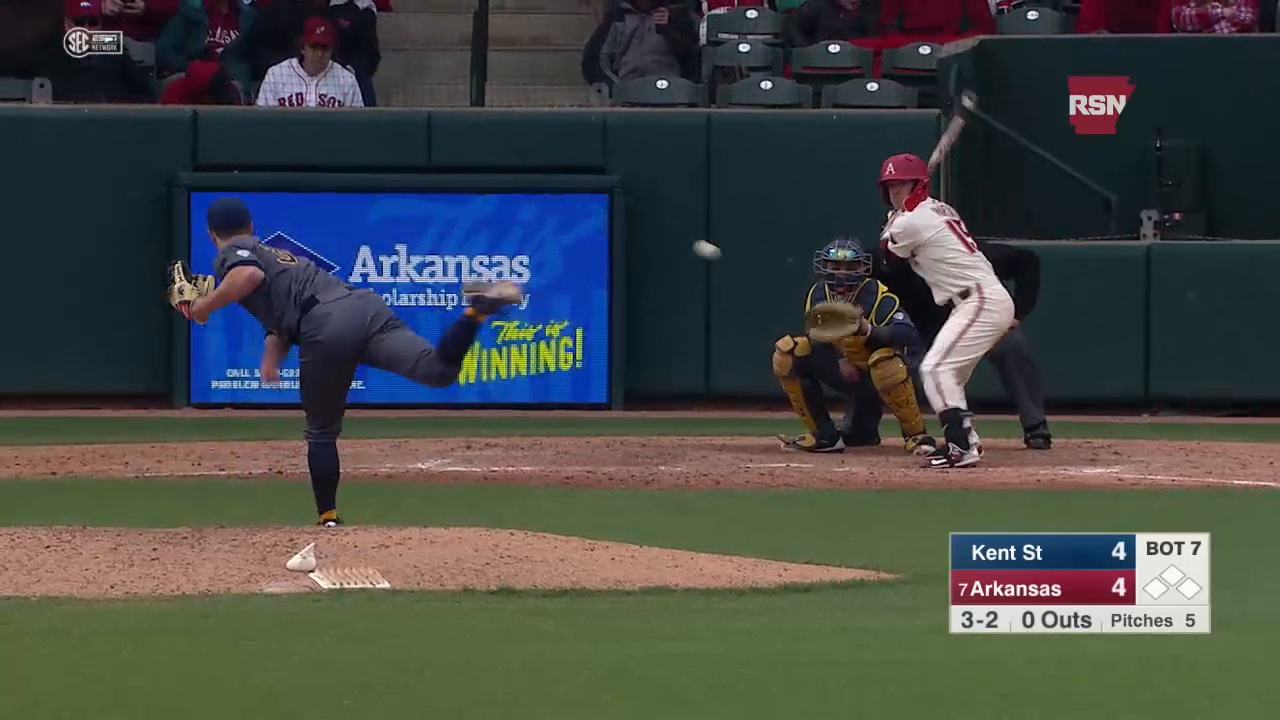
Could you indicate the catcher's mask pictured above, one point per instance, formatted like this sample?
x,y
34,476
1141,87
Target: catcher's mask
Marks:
x,y
903,166
842,264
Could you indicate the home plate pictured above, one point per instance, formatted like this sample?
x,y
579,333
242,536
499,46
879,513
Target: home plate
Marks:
x,y
349,579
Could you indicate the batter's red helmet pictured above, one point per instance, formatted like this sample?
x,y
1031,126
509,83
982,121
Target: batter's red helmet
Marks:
x,y
903,166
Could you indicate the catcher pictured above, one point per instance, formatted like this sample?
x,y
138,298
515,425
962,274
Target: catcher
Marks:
x,y
859,343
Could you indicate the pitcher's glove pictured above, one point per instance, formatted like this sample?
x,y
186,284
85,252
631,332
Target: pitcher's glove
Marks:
x,y
185,287
832,321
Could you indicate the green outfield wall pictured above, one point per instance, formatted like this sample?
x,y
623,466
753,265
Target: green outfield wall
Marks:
x,y
1120,323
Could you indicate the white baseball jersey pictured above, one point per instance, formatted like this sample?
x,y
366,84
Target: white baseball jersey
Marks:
x,y
287,85
934,239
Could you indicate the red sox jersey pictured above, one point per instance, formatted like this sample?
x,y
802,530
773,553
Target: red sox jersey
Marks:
x,y
288,85
931,235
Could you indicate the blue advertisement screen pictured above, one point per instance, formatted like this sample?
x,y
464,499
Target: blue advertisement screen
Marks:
x,y
416,250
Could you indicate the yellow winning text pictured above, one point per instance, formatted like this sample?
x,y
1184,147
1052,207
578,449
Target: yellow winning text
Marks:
x,y
523,349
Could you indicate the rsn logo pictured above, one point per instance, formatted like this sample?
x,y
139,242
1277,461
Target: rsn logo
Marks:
x,y
1095,102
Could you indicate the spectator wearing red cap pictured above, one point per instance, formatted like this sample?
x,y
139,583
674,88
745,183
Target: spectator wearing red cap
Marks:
x,y
208,30
204,82
356,21
1220,16
312,78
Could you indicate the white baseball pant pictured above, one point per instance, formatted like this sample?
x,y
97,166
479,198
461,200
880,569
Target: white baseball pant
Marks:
x,y
976,324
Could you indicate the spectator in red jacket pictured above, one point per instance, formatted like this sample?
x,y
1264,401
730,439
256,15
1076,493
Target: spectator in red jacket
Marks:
x,y
1123,16
1220,16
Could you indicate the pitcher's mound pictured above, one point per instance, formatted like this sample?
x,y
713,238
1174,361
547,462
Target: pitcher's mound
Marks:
x,y
118,562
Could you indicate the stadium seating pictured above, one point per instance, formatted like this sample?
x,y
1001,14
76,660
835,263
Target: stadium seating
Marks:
x,y
20,90
915,65
745,23
765,92
877,93
1033,21
659,91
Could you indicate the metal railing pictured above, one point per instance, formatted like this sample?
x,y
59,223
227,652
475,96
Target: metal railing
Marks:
x,y
479,75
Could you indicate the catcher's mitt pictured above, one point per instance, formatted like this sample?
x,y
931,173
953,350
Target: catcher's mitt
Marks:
x,y
831,321
185,287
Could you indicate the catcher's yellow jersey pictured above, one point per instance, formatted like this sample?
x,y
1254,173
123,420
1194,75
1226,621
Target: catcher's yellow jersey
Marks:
x,y
879,306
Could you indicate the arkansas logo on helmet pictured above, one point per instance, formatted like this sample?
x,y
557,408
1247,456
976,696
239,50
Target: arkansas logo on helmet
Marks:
x,y
905,166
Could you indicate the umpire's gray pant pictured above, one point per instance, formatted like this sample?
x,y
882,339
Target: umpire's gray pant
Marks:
x,y
1020,376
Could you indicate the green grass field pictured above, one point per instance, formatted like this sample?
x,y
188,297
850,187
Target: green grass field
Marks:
x,y
869,650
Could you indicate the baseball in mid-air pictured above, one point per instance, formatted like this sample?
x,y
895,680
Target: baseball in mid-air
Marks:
x,y
706,250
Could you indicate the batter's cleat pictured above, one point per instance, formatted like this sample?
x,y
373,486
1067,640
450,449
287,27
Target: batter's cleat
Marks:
x,y
921,445
329,519
1038,437
952,456
810,443
490,298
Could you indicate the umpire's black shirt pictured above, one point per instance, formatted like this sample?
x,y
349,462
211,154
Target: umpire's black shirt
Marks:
x,y
1018,265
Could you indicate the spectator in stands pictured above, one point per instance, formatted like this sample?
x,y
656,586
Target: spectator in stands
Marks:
x,y
936,20
30,36
97,78
312,78
208,30
819,20
142,20
202,82
644,37
1123,16
1220,16
279,23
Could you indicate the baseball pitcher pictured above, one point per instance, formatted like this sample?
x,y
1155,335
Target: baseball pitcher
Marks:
x,y
336,326
930,235
859,343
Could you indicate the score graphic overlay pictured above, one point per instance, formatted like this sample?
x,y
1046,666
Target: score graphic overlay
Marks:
x,y
1079,583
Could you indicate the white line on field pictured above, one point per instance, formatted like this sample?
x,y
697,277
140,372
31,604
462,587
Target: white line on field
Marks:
x,y
1122,472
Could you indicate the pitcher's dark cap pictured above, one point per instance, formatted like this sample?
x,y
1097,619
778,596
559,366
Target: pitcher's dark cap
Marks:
x,y
228,214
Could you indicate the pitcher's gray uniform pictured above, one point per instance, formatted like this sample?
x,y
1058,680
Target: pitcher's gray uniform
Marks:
x,y
336,327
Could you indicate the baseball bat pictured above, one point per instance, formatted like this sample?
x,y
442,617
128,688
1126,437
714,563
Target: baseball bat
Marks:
x,y
968,101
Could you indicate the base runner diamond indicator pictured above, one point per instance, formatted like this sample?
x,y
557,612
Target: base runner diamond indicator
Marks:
x,y
1171,575
1155,588
1056,583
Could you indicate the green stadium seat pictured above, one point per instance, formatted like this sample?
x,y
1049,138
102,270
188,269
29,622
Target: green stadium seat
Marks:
x,y
659,91
142,53
742,58
745,23
1033,21
916,66
824,64
765,92
873,93
21,90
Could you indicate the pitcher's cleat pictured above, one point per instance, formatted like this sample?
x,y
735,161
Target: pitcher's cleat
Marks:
x,y
921,445
489,298
809,443
952,456
329,519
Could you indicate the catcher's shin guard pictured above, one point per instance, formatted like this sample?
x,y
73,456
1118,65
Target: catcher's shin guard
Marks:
x,y
804,393
892,380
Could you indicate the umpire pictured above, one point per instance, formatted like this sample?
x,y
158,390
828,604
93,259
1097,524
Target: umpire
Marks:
x,y
1012,355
